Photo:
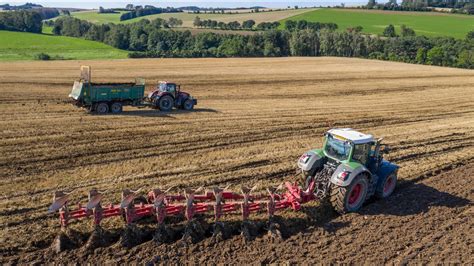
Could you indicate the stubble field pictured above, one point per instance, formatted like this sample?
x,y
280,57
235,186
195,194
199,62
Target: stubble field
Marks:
x,y
254,118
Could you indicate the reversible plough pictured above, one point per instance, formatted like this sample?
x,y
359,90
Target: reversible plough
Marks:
x,y
160,205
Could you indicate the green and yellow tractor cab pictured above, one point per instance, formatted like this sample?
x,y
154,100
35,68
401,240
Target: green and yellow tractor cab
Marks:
x,y
350,147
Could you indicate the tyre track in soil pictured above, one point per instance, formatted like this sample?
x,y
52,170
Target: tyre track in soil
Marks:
x,y
175,145
410,226
413,116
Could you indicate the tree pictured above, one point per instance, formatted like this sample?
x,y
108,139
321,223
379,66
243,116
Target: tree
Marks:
x,y
248,24
435,56
405,31
234,25
197,22
174,22
290,25
371,4
421,56
469,8
389,31
101,10
466,59
129,7
470,35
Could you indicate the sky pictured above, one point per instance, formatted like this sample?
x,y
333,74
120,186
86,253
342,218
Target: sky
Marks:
x,y
178,3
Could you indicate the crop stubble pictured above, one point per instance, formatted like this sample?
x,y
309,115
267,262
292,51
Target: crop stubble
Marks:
x,y
254,118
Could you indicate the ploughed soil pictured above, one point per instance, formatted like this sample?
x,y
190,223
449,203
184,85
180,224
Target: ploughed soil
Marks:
x,y
426,220
254,118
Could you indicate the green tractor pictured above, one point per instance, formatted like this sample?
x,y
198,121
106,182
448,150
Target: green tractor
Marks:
x,y
349,169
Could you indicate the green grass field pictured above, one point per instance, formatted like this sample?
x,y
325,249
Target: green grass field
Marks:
x,y
95,17
424,23
24,46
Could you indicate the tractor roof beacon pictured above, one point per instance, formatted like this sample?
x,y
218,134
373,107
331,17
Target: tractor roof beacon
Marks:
x,y
349,169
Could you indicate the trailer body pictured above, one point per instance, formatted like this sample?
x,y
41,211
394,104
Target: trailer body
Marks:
x,y
102,98
90,95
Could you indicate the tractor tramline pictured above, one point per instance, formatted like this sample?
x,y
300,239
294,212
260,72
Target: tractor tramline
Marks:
x,y
348,170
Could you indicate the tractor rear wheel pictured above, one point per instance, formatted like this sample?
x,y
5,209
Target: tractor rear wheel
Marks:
x,y
102,108
386,187
165,103
116,107
188,105
350,198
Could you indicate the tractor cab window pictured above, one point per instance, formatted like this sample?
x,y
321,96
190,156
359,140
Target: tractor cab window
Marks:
x,y
168,87
337,148
361,153
171,87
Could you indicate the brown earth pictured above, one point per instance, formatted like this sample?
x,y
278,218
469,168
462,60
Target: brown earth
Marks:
x,y
254,118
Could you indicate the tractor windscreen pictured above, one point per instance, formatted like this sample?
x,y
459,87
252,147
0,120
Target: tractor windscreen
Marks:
x,y
163,87
337,148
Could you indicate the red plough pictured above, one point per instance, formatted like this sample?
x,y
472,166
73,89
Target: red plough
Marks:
x,y
159,204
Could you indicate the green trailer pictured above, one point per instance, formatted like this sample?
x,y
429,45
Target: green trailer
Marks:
x,y
102,98
106,97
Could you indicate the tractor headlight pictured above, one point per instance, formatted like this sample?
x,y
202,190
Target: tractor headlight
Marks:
x,y
343,176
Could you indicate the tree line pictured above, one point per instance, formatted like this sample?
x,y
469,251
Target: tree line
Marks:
x,y
28,21
140,11
235,25
456,6
149,39
292,25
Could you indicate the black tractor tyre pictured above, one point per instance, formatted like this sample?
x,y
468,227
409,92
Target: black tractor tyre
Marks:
x,y
350,198
102,108
116,107
386,188
188,105
166,103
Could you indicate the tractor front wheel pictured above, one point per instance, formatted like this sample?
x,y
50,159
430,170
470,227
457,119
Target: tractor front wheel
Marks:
x,y
188,105
350,198
386,187
166,103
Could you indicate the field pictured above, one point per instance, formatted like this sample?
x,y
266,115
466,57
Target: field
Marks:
x,y
254,119
188,18
24,46
95,17
428,23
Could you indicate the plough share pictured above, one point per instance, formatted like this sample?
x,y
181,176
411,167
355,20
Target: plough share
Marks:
x,y
160,204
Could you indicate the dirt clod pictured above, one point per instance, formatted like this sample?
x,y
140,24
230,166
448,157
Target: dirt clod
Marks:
x,y
131,236
98,238
164,234
67,239
249,230
194,231
274,231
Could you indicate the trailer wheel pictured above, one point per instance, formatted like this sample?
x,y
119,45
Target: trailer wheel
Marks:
x,y
116,107
386,187
188,105
165,103
350,198
102,108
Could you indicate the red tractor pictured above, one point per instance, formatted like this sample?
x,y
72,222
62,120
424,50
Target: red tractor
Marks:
x,y
166,95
